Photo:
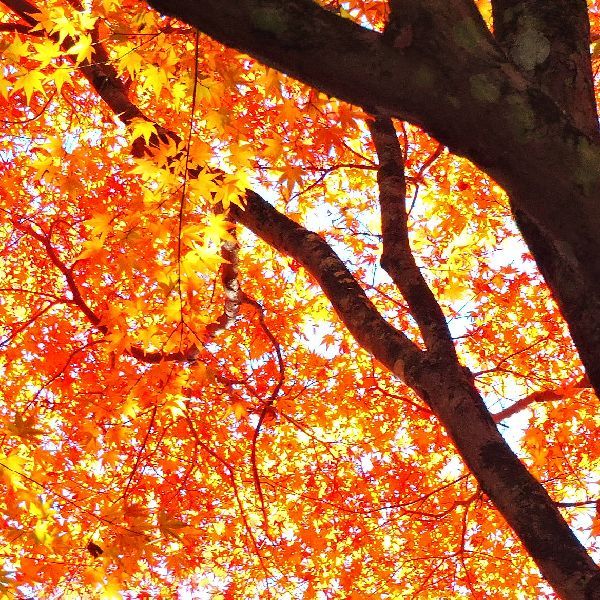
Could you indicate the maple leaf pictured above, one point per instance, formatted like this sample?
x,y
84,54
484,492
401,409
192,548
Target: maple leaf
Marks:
x,y
43,533
111,591
87,20
130,61
239,409
12,467
273,148
146,167
142,128
83,48
92,247
99,223
18,48
60,77
5,87
30,82
203,185
94,550
24,427
154,78
56,21
232,188
218,229
169,526
46,52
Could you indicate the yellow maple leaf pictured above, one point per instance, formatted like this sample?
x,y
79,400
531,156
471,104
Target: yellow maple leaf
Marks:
x,y
142,128
4,87
232,189
60,23
176,406
172,310
86,20
12,469
130,61
145,167
111,591
30,82
99,223
92,247
83,48
154,79
42,533
455,290
218,229
202,259
46,52
130,408
191,232
60,77
203,185
17,48
110,5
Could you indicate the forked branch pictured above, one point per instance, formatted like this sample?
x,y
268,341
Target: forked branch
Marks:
x,y
388,345
397,258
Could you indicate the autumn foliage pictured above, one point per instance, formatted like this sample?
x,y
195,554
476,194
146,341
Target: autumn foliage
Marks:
x,y
182,411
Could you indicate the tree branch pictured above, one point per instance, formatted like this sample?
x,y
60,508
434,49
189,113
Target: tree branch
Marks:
x,y
397,258
541,396
388,345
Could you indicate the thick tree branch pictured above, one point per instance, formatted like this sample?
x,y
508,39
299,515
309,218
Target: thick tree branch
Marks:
x,y
483,92
388,345
550,41
397,258
307,41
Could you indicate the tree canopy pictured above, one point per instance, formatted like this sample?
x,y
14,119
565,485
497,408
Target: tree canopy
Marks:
x,y
299,299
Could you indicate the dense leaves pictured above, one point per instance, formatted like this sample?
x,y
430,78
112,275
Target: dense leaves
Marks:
x,y
182,410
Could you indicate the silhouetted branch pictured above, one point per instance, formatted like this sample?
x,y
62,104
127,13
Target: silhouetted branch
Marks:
x,y
397,258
